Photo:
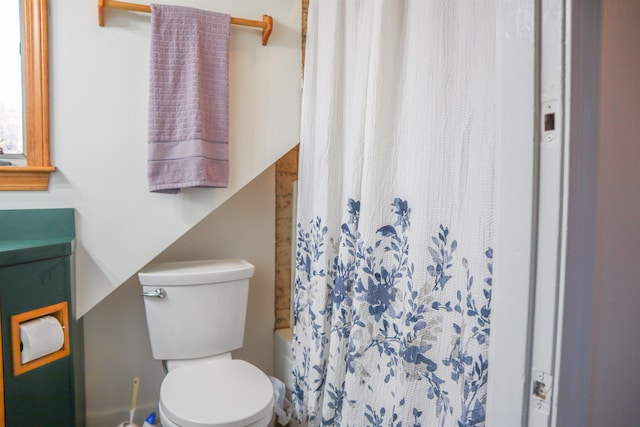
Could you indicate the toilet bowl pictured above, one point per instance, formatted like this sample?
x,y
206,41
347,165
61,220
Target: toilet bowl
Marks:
x,y
229,393
195,316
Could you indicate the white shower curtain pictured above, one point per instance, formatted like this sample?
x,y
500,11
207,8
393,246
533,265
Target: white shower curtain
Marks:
x,y
395,213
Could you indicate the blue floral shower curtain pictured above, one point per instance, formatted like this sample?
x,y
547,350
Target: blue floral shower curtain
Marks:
x,y
392,299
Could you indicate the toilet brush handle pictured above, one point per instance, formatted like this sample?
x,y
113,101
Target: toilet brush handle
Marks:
x,y
133,402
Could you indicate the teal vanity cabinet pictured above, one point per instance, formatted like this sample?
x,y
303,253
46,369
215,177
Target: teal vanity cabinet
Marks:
x,y
36,280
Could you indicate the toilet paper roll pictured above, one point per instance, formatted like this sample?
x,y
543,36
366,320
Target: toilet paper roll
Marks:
x,y
40,337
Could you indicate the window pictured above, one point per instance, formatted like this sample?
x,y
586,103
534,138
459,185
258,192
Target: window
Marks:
x,y
35,82
11,140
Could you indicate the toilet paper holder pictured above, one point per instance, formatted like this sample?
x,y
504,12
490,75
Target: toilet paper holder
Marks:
x,y
61,312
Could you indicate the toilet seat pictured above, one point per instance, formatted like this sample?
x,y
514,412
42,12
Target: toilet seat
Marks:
x,y
229,393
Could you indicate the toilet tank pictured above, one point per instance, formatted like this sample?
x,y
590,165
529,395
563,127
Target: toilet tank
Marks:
x,y
203,309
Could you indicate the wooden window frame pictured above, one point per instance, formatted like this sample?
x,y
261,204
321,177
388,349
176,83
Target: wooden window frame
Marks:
x,y
35,175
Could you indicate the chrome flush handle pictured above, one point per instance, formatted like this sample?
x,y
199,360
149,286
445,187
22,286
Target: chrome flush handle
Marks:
x,y
157,293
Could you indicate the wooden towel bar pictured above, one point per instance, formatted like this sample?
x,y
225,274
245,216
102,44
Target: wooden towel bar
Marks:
x,y
266,24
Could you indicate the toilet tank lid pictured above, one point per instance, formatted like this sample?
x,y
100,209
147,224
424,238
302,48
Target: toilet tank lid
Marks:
x,y
195,272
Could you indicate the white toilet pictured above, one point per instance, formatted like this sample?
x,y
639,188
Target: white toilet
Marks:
x,y
195,315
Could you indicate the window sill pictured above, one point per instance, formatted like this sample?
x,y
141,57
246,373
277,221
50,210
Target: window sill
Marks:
x,y
25,178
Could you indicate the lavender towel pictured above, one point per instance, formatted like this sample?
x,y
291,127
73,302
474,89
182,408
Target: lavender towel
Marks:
x,y
188,99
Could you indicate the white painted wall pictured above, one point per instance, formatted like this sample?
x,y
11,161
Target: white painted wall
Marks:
x,y
599,370
615,346
116,340
579,225
98,93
